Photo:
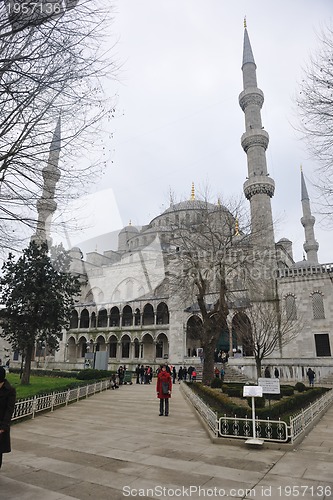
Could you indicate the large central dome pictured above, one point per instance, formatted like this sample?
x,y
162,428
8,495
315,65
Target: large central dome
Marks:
x,y
191,205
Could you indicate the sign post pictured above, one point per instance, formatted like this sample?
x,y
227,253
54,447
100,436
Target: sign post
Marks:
x,y
253,391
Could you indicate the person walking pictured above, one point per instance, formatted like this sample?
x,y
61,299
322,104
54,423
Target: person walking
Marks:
x,y
174,375
163,389
311,376
7,405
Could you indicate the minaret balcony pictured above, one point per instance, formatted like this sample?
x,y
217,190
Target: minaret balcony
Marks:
x,y
308,221
254,138
259,184
251,96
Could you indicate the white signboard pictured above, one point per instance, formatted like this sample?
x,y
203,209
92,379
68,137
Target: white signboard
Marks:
x,y
252,390
269,385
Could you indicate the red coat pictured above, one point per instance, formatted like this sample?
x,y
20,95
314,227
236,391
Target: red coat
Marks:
x,y
163,376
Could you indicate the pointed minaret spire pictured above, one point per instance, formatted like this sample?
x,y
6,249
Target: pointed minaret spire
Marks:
x,y
46,206
308,220
247,50
192,192
259,188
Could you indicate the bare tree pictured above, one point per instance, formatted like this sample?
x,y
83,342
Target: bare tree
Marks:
x,y
271,329
210,267
51,62
315,108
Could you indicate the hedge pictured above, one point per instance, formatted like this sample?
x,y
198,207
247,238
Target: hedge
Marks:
x,y
48,373
221,403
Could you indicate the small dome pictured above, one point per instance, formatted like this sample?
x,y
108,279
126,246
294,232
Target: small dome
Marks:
x,y
129,229
284,240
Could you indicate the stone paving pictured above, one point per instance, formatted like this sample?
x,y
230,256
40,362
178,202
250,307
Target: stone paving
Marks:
x,y
115,446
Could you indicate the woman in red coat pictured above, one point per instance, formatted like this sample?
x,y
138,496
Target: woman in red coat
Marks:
x,y
163,389
7,405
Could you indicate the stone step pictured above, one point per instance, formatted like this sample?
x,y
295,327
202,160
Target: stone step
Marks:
x,y
231,374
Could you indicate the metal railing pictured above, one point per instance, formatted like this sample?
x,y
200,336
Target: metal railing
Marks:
x,y
302,420
266,429
209,416
31,406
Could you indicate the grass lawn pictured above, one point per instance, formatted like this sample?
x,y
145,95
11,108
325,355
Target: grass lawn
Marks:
x,y
38,384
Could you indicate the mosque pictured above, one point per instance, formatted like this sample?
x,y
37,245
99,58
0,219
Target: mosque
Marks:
x,y
127,314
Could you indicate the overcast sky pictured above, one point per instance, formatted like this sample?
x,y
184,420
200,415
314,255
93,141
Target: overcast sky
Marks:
x,y
178,118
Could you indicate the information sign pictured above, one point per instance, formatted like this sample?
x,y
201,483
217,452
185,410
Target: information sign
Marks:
x,y
269,385
252,390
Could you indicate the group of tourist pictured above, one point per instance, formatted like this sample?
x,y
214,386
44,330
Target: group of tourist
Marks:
x,y
184,372
144,374
221,356
219,373
267,372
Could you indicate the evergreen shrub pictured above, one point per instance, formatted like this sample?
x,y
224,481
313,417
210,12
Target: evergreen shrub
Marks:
x,y
300,387
216,383
93,374
258,402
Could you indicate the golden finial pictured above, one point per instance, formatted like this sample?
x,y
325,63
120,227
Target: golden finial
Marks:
x,y
192,192
218,201
130,222
236,227
301,168
245,26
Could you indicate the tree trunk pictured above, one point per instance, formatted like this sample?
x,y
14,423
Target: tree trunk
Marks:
x,y
208,364
258,365
25,380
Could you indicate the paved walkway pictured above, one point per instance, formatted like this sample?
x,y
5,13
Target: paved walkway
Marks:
x,y
115,446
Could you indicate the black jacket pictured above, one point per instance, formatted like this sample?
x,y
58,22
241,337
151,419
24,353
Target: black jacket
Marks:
x,y
7,405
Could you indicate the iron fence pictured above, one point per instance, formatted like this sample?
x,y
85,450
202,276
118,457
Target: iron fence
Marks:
x,y
266,429
31,406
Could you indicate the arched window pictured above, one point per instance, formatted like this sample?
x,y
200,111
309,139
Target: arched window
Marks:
x,y
102,319
291,311
125,346
84,319
318,306
114,316
74,321
162,314
113,347
127,316
148,315
193,335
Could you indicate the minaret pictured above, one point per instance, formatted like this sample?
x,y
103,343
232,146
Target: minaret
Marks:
x,y
46,206
259,187
192,192
308,220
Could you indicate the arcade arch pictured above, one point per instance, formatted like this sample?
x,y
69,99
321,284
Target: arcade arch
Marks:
x,y
242,334
193,335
